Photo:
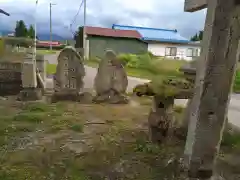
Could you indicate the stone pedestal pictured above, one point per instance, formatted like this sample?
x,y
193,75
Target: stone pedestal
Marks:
x,y
111,97
30,94
64,96
83,97
160,118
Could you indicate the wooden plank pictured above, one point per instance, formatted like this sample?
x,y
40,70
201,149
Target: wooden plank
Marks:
x,y
194,5
214,79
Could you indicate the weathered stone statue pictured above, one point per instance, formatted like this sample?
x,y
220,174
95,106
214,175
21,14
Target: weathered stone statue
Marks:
x,y
111,80
68,80
161,120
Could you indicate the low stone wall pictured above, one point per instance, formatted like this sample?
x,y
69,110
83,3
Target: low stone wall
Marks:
x,y
10,78
11,71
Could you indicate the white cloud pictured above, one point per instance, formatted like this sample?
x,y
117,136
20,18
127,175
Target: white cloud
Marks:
x,y
151,13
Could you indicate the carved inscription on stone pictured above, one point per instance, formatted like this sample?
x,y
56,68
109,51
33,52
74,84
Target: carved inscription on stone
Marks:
x,y
70,71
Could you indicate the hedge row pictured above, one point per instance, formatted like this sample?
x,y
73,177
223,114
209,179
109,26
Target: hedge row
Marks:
x,y
53,47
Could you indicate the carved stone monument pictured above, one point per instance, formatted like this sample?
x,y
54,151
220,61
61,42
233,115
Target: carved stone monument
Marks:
x,y
68,80
111,80
217,65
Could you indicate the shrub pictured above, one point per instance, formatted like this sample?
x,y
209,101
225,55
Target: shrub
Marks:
x,y
53,47
151,54
149,64
141,61
126,58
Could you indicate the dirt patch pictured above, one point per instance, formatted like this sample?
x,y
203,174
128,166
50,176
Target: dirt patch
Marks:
x,y
73,141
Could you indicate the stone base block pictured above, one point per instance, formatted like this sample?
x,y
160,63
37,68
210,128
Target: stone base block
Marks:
x,y
30,94
115,99
83,97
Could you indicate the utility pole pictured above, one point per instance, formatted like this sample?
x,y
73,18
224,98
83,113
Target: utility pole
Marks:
x,y
35,36
84,29
51,4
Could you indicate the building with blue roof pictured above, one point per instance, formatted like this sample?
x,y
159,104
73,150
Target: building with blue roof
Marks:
x,y
165,42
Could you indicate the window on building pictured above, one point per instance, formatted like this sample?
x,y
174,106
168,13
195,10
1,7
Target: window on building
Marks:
x,y
171,51
192,52
196,52
189,52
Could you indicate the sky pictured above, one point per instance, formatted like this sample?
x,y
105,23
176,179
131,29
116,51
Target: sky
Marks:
x,y
166,14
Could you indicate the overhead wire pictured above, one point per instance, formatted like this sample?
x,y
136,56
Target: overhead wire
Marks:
x,y
75,17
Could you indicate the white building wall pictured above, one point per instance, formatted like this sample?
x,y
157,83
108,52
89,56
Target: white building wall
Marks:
x,y
159,49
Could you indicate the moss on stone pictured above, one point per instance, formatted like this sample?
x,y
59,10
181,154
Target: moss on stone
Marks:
x,y
166,87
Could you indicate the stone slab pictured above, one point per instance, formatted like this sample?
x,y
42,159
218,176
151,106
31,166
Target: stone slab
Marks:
x,y
194,5
83,97
10,78
29,79
70,71
30,94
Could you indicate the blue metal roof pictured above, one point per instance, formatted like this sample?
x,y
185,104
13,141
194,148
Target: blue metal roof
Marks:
x,y
155,34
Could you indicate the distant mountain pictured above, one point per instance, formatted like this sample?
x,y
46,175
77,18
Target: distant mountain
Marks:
x,y
41,36
55,37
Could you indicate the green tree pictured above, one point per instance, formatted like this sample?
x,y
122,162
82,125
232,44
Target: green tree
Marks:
x,y
195,37
21,29
78,37
198,36
31,32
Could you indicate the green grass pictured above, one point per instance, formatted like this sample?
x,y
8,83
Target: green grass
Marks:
x,y
133,72
77,127
164,68
77,142
144,67
51,69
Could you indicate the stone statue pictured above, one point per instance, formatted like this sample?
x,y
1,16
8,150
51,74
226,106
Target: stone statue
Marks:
x,y
111,80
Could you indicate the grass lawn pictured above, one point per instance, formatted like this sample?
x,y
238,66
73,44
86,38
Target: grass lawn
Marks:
x,y
51,69
45,51
130,71
73,141
166,68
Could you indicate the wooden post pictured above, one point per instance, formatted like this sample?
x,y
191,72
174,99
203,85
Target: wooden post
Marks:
x,y
213,86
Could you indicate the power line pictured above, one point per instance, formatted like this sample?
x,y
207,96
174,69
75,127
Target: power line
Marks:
x,y
75,17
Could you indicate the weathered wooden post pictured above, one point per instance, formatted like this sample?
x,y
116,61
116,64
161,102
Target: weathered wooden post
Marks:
x,y
215,74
